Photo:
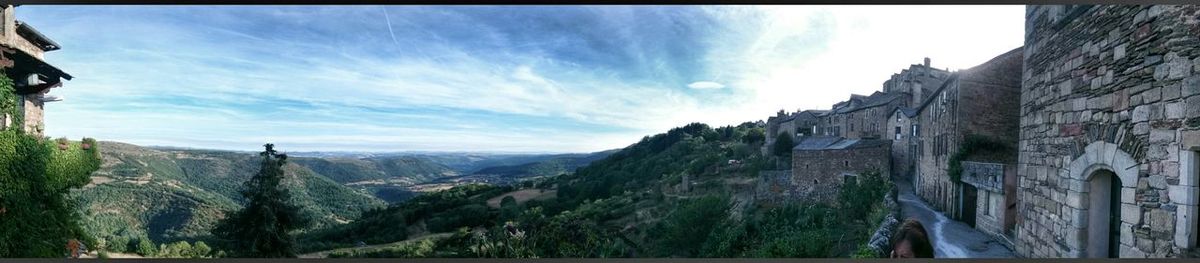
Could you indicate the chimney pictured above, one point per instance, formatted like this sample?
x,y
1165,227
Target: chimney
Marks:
x,y
926,62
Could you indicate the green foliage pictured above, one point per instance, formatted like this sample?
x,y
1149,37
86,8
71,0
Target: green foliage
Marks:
x,y
972,145
262,228
783,145
145,247
755,135
36,217
444,210
794,230
684,231
183,249
857,199
864,252
118,244
9,103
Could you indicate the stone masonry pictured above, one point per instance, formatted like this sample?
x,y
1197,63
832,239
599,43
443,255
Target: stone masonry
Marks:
x,y
972,102
21,52
821,164
1109,91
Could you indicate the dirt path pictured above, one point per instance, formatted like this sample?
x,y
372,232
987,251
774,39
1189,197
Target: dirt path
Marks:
x,y
951,239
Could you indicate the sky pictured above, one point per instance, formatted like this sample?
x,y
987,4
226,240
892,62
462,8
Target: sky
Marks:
x,y
479,78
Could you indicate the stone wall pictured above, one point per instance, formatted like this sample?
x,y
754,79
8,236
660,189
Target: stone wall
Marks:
x,y
1111,89
991,205
818,174
986,109
902,145
10,36
33,114
775,187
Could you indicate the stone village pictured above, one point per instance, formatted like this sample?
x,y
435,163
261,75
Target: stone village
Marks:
x,y
1084,142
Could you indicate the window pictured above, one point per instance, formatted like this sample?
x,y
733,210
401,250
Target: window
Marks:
x,y
987,203
897,132
846,163
916,128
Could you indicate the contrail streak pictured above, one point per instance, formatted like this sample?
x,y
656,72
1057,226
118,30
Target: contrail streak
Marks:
x,y
389,24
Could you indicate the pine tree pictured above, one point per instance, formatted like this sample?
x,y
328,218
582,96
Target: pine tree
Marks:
x,y
261,229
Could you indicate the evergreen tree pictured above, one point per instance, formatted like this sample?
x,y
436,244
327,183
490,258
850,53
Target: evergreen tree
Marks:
x,y
783,144
261,229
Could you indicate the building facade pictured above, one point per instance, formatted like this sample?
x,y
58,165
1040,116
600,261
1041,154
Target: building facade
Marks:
x,y
973,105
903,127
21,56
822,164
1110,131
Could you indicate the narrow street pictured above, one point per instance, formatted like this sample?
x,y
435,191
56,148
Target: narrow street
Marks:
x,y
951,239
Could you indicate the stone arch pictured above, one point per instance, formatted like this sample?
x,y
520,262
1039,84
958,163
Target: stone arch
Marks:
x,y
1099,161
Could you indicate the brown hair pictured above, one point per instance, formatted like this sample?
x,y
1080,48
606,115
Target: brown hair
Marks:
x,y
913,232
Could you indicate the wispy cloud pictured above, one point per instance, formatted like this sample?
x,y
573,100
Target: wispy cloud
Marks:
x,y
486,78
705,85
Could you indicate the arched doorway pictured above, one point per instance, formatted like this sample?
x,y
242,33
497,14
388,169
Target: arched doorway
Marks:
x,y
1103,171
1104,214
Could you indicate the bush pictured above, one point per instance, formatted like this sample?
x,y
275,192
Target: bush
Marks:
x,y
145,247
36,217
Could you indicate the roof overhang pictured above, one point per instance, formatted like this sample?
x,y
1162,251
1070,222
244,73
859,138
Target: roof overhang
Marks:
x,y
17,65
41,41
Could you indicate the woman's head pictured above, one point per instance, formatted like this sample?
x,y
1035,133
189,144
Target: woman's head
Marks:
x,y
911,241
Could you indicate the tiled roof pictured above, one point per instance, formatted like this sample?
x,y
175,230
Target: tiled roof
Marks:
x,y
818,143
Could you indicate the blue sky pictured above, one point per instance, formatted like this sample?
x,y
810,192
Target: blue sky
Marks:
x,y
478,78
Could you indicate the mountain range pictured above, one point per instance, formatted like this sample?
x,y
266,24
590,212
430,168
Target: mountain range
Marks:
x,y
167,193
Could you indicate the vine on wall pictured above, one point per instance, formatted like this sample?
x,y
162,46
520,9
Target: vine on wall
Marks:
x,y
973,144
9,101
37,219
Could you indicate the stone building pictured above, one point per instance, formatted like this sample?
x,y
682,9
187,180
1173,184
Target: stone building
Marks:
x,y
807,120
1110,131
782,123
794,125
904,143
822,164
862,116
918,80
21,57
867,116
988,113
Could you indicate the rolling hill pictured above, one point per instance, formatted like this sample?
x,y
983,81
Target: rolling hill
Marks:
x,y
169,195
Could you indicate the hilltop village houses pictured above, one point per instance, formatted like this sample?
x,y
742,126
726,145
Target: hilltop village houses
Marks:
x,y
21,58
1084,142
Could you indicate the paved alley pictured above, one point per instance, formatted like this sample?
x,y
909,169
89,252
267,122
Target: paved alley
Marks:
x,y
951,239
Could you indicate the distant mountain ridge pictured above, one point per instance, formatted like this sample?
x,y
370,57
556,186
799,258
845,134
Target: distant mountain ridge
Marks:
x,y
173,193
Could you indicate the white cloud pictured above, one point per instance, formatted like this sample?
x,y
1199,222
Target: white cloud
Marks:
x,y
705,85
762,58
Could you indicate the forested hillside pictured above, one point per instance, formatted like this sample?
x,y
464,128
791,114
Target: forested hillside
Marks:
x,y
162,195
169,195
630,203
